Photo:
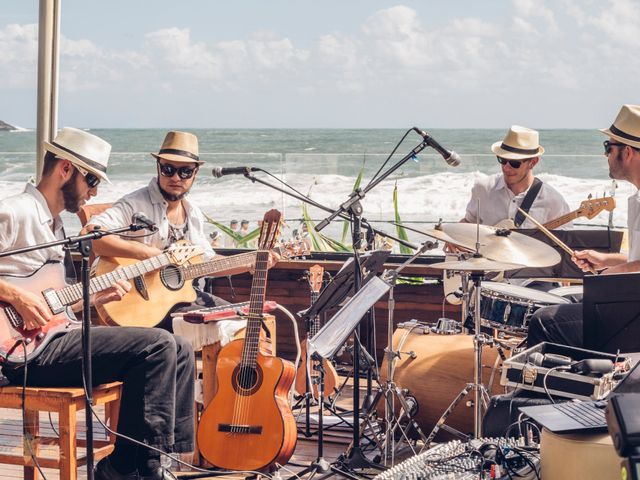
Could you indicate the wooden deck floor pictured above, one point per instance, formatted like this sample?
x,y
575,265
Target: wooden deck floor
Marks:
x,y
336,442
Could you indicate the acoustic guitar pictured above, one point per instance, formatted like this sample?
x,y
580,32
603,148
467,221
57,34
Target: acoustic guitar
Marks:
x,y
305,378
248,425
49,282
156,293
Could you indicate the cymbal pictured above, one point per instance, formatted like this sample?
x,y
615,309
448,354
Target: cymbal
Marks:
x,y
476,264
503,245
432,232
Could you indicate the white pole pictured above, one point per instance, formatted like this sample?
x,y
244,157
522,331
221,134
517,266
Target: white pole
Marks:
x,y
48,61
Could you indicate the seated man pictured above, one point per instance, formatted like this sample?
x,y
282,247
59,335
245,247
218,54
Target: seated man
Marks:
x,y
165,202
501,194
563,323
157,369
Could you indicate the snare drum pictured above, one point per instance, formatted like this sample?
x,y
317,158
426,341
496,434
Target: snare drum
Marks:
x,y
572,292
508,307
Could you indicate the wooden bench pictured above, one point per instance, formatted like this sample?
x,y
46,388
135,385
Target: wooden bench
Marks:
x,y
66,402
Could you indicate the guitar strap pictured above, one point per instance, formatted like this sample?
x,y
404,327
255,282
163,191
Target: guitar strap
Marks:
x,y
528,201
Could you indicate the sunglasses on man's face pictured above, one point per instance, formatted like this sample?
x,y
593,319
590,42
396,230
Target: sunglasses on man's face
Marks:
x,y
92,180
512,163
608,145
184,173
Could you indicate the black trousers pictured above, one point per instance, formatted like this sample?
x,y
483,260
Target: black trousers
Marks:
x,y
157,371
557,324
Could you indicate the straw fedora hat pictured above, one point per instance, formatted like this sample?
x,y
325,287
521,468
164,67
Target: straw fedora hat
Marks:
x,y
520,143
626,126
83,149
179,147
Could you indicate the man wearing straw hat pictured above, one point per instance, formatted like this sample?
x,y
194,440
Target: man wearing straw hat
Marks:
x,y
156,368
165,202
500,195
563,323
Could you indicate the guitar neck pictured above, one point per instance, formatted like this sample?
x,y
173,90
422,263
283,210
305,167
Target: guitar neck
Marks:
x,y
256,303
315,321
217,265
566,218
73,293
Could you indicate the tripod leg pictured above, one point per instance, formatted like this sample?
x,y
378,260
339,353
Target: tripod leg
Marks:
x,y
441,421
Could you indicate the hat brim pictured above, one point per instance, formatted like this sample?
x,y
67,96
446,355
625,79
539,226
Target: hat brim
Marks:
x,y
499,151
58,152
626,141
176,158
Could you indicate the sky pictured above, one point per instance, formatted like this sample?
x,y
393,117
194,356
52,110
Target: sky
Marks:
x,y
328,64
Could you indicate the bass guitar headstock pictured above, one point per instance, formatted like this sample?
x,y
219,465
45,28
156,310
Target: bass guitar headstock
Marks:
x,y
316,273
593,206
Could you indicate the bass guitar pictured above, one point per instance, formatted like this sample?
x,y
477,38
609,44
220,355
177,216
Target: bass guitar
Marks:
x,y
154,294
305,378
248,425
18,345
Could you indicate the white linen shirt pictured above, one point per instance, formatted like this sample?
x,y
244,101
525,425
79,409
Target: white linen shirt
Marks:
x,y
152,204
633,224
25,220
498,203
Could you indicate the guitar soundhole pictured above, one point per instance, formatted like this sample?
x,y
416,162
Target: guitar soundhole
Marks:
x,y
171,277
247,379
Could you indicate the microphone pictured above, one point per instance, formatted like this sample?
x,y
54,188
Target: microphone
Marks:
x,y
141,219
221,171
451,157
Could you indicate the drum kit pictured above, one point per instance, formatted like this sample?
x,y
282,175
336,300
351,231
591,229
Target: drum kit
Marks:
x,y
502,307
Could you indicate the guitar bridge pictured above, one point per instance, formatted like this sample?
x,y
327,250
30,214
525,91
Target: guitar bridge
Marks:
x,y
230,428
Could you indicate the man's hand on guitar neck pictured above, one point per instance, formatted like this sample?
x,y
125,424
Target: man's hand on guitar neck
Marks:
x,y
112,294
274,257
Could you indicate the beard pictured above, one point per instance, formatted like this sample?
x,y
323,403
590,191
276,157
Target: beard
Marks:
x,y
70,194
170,197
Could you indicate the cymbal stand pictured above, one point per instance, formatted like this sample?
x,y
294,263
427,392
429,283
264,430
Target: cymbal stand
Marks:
x,y
481,394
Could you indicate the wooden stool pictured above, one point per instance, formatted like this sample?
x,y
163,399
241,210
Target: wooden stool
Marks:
x,y
66,402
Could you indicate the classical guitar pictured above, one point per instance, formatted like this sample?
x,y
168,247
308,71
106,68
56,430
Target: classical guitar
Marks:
x,y
588,208
248,425
49,282
154,294
305,378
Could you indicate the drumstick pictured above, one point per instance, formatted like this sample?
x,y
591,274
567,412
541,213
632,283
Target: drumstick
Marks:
x,y
553,238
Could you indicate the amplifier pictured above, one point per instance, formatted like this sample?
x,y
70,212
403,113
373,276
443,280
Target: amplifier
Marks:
x,y
482,458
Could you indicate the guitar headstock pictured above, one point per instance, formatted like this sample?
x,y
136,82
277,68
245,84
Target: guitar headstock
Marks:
x,y
592,207
292,250
179,253
270,230
315,278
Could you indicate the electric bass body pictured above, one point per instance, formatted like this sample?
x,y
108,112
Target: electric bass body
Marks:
x,y
249,425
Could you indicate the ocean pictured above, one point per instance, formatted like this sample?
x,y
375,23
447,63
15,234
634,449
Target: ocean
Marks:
x,y
324,163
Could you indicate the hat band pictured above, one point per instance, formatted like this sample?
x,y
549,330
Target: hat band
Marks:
x,y
622,134
523,151
89,162
183,153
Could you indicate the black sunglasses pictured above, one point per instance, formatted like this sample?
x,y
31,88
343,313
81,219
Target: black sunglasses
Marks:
x,y
512,163
91,179
184,173
609,144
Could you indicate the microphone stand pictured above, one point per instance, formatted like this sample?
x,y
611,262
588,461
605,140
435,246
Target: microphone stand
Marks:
x,y
351,210
354,458
83,244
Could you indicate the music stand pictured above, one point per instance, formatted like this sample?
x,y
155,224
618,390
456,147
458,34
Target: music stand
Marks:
x,y
341,286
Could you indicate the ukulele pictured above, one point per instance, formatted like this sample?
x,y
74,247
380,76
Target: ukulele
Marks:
x,y
330,376
248,425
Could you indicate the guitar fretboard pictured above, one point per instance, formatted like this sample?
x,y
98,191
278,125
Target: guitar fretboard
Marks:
x,y
256,302
73,293
566,218
217,264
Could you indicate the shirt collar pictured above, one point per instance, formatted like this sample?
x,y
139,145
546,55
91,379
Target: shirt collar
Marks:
x,y
44,214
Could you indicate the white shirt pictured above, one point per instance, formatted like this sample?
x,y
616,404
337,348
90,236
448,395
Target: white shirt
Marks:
x,y
152,204
498,203
25,220
633,223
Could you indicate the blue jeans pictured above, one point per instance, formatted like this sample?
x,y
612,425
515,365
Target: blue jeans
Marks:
x,y
157,371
